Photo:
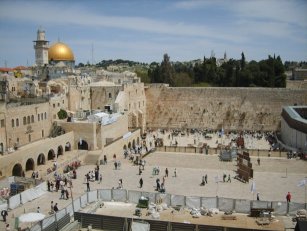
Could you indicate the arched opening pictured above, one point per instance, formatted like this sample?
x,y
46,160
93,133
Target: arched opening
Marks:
x,y
125,147
60,150
17,170
30,164
138,140
129,145
51,154
67,147
133,144
41,159
82,145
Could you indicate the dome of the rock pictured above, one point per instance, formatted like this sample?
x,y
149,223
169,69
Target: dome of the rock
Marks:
x,y
60,52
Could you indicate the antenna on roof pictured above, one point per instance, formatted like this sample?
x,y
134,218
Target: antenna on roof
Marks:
x,y
92,54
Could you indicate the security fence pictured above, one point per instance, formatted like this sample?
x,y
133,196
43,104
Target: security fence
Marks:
x,y
90,201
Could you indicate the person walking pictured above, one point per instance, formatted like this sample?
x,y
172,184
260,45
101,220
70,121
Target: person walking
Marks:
x,y
288,197
206,178
4,214
51,208
175,172
105,161
229,179
166,172
258,197
55,208
88,186
141,182
100,178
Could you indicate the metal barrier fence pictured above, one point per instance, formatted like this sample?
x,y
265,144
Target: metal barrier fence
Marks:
x,y
123,195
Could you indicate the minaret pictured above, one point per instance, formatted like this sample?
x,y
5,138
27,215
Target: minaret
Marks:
x,y
41,48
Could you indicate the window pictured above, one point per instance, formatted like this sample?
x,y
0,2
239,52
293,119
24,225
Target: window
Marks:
x,y
45,115
29,137
32,119
13,123
38,117
17,140
54,105
2,123
58,104
43,133
24,120
28,119
17,122
42,116
110,96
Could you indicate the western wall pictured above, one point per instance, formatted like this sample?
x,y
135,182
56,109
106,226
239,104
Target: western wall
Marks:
x,y
214,108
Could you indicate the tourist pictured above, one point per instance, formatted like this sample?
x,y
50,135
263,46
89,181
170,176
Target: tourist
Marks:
x,y
105,159
206,177
175,172
51,208
4,215
288,197
48,185
38,210
258,161
120,183
141,182
88,186
115,165
166,172
258,197
203,182
229,179
140,170
55,208
100,178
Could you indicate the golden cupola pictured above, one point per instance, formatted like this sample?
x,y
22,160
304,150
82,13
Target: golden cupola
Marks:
x,y
60,52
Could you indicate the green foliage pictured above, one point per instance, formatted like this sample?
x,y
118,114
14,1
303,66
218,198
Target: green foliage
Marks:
x,y
233,73
62,114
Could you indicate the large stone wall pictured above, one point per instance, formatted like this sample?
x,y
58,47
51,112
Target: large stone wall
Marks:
x,y
214,108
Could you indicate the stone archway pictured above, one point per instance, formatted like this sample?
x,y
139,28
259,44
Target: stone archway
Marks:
x,y
51,154
17,170
133,144
129,145
30,164
60,151
41,160
138,140
82,145
67,147
125,147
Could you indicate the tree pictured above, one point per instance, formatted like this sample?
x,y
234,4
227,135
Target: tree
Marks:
x,y
62,114
183,80
167,71
242,61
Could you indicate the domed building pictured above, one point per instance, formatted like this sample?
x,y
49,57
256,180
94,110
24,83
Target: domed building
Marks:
x,y
60,52
54,61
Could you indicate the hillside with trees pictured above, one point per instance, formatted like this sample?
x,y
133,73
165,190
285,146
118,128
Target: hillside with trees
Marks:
x,y
232,73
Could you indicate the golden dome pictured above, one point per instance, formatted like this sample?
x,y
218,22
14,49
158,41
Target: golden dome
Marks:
x,y
60,52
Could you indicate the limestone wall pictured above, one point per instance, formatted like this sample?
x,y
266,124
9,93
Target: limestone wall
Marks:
x,y
232,108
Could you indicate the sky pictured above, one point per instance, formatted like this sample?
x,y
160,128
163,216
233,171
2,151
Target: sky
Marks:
x,y
144,30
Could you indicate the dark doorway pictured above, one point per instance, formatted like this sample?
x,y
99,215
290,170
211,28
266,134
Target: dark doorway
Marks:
x,y
17,170
82,145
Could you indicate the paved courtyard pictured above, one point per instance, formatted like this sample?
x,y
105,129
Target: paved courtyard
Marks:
x,y
274,178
